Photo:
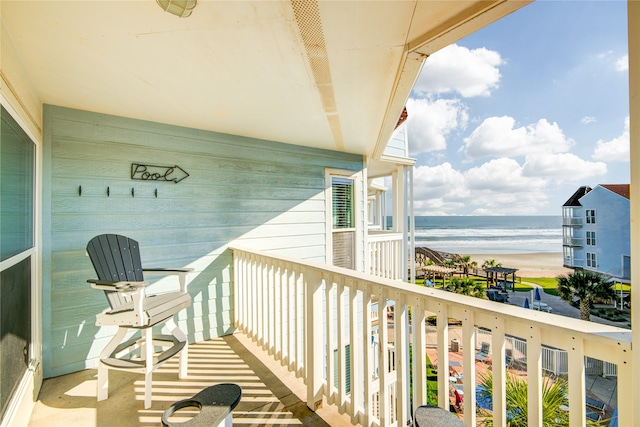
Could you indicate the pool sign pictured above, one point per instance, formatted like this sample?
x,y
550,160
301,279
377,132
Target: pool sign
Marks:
x,y
173,174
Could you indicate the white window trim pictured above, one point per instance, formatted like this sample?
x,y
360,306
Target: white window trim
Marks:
x,y
592,261
358,197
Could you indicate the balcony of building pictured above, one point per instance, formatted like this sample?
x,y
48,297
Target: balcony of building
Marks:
x,y
354,348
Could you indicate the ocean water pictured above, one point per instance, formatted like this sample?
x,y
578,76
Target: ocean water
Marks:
x,y
490,234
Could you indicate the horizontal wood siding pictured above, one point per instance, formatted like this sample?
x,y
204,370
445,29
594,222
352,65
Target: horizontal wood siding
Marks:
x,y
265,194
398,143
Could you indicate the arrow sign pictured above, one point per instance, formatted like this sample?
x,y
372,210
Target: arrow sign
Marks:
x,y
173,174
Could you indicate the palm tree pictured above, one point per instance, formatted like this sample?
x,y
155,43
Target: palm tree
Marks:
x,y
585,286
554,396
449,263
466,264
466,287
488,263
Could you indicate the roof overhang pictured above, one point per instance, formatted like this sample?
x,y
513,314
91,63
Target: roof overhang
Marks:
x,y
326,74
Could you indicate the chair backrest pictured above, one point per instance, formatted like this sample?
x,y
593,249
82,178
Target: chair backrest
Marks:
x,y
115,258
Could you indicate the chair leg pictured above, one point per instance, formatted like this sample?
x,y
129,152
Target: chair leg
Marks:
x,y
148,357
103,370
103,381
228,421
184,353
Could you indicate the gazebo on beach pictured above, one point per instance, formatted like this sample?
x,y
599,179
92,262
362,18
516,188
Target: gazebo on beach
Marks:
x,y
494,273
437,270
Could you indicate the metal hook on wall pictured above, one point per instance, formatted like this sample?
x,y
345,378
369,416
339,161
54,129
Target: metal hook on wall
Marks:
x,y
133,192
108,192
79,190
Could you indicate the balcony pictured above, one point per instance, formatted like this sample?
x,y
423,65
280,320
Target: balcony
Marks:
x,y
571,262
317,320
343,338
572,222
572,241
385,254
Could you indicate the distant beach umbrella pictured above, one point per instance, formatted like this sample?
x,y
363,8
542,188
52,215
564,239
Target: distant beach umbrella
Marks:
x,y
526,303
537,297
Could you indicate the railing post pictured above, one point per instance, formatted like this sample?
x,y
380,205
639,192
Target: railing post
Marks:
x,y
401,323
499,373
443,356
383,357
340,321
576,383
368,356
238,294
357,351
314,338
418,320
469,362
330,337
534,378
625,382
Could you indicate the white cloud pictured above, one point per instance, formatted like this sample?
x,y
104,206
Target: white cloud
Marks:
x,y
497,187
502,175
459,69
430,122
615,150
500,186
587,119
434,181
497,136
622,63
563,167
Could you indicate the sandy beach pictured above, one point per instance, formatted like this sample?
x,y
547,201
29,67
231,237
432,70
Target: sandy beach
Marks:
x,y
542,264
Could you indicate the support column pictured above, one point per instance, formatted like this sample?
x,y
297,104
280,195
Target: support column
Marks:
x,y
631,416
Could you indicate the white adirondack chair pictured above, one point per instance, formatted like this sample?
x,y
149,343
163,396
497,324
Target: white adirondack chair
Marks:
x,y
116,260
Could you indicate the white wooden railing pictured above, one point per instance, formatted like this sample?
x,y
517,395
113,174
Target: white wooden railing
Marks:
x,y
293,308
385,255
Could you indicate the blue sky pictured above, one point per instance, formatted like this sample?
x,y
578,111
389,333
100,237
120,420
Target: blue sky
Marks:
x,y
514,118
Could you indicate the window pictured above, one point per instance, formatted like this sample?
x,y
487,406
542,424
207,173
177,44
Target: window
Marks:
x,y
591,260
591,216
591,238
17,154
343,228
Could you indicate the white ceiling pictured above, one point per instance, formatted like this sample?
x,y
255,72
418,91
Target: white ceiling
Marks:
x,y
328,74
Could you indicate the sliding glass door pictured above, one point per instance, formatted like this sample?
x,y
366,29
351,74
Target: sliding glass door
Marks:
x,y
17,172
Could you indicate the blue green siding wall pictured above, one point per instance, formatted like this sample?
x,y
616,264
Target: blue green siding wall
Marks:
x,y
265,194
397,145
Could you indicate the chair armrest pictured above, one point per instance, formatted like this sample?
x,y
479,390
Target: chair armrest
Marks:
x,y
181,272
167,270
108,285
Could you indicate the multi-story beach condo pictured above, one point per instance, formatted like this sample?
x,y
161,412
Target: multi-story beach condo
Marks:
x,y
595,230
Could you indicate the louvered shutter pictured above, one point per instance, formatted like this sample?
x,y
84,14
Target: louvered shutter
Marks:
x,y
343,222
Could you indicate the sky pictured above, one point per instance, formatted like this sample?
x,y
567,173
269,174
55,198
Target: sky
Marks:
x,y
514,118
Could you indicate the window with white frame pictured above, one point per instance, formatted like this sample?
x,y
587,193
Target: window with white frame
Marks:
x,y
343,221
591,238
591,260
591,216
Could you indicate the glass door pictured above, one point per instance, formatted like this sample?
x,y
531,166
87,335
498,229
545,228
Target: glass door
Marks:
x,y
17,172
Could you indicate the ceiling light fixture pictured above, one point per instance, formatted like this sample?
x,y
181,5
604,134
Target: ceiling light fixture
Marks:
x,y
180,8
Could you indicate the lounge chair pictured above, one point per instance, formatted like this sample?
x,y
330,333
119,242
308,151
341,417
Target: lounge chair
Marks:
x,y
116,260
593,416
484,352
596,404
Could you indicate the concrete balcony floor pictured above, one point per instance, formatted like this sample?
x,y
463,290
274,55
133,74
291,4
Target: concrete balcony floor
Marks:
x,y
271,396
